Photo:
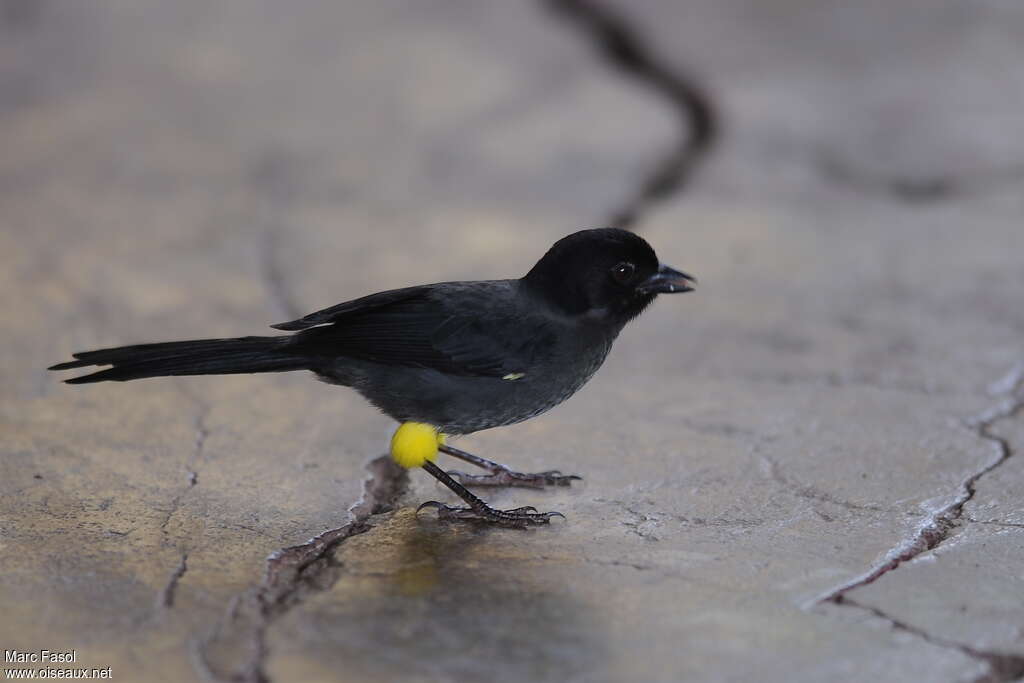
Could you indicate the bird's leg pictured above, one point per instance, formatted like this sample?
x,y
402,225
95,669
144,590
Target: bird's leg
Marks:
x,y
415,444
503,476
480,511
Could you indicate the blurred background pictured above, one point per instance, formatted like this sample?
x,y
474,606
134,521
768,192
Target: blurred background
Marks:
x,y
845,178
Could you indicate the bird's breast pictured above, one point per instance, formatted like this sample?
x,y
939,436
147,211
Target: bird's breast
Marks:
x,y
531,391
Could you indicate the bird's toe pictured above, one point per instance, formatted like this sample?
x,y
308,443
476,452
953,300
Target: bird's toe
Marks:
x,y
507,477
516,518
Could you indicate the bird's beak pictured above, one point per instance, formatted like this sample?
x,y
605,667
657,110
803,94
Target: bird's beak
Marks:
x,y
667,280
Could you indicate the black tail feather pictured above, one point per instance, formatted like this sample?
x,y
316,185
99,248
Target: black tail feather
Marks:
x,y
196,357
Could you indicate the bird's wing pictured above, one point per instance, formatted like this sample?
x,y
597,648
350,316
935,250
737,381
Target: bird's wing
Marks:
x,y
456,328
361,305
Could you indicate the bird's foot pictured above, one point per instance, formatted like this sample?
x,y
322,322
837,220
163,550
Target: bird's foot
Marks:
x,y
517,518
499,475
503,476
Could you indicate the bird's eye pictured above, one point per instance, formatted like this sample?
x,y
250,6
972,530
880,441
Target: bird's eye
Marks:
x,y
623,272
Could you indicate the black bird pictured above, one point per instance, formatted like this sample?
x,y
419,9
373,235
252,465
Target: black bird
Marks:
x,y
449,358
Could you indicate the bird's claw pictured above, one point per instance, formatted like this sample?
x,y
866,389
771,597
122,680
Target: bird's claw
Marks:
x,y
506,477
518,518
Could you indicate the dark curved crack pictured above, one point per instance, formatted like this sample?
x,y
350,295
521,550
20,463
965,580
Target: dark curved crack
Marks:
x,y
199,447
166,597
940,186
191,465
808,492
273,179
1003,667
237,650
626,50
281,298
940,525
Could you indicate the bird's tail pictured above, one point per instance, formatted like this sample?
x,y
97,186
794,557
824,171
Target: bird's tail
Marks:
x,y
196,357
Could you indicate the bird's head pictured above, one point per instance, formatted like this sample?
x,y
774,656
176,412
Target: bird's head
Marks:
x,y
608,275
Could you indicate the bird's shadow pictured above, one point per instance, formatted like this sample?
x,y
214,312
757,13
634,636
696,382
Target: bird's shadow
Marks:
x,y
452,602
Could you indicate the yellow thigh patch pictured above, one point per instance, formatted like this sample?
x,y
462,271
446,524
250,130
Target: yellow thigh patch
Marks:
x,y
415,443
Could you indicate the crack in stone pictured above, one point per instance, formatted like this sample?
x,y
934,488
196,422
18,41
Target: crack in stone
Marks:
x,y
921,189
199,446
166,596
995,522
643,524
191,471
771,468
620,563
628,52
832,380
660,572
237,649
939,526
272,177
273,276
640,525
1003,667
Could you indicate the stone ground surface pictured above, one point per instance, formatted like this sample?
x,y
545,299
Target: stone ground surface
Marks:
x,y
809,470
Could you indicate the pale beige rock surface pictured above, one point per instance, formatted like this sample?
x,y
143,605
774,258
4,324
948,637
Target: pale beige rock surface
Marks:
x,y
809,470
